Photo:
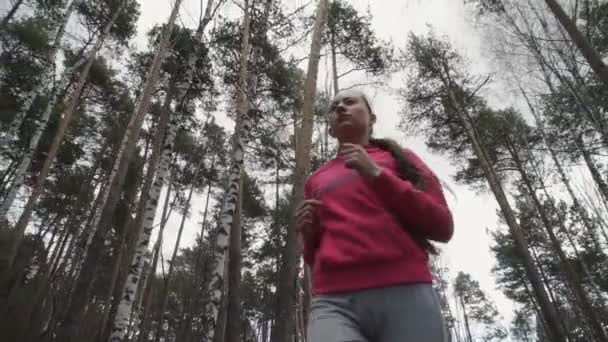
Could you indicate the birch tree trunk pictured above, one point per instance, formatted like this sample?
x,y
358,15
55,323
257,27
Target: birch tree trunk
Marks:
x,y
8,254
149,289
133,237
226,218
102,220
165,293
45,79
124,308
284,326
233,310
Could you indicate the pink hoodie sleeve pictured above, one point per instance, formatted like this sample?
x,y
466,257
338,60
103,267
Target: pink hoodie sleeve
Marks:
x,y
310,247
425,210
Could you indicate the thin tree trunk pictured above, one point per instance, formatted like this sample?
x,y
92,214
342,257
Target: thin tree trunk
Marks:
x,y
45,79
583,300
549,313
119,252
593,169
26,158
149,275
466,320
591,55
103,218
11,13
233,311
286,290
17,233
7,175
133,237
241,135
334,64
563,176
586,112
167,284
122,312
145,321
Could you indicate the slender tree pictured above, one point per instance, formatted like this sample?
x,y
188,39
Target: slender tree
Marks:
x,y
284,325
241,135
591,55
69,330
21,225
435,65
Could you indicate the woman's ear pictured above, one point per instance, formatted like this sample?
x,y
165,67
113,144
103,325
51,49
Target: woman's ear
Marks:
x,y
331,132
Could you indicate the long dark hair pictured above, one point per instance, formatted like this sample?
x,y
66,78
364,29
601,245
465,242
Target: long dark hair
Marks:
x,y
407,171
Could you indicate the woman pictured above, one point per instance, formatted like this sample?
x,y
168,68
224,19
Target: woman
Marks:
x,y
366,222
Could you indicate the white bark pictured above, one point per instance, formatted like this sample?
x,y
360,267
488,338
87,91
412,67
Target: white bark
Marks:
x,y
46,78
7,256
121,319
26,159
241,133
134,127
124,308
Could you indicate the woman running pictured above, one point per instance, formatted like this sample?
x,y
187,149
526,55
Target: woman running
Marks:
x,y
366,222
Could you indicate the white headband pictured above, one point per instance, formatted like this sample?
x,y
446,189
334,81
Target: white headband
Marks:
x,y
359,93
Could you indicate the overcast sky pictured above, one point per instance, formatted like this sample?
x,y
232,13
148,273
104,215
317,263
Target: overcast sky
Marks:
x,y
394,19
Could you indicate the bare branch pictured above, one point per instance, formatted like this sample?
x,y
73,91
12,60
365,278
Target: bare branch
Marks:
x,y
362,84
352,70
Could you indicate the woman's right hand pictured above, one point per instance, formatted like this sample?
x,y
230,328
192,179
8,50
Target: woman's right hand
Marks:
x,y
307,219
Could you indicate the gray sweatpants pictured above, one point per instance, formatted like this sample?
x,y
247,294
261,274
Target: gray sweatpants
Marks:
x,y
407,313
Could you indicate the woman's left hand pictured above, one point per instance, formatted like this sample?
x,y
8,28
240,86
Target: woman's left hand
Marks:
x,y
356,157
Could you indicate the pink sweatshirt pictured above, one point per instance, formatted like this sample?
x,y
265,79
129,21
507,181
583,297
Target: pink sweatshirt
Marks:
x,y
365,239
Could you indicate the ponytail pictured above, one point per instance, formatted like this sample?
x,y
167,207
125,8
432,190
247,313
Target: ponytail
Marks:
x,y
407,171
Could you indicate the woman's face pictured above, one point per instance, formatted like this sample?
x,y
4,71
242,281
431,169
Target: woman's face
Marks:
x,y
349,117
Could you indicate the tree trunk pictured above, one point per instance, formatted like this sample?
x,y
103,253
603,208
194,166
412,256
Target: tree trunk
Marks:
x,y
334,64
466,320
233,318
167,285
7,176
284,325
119,252
11,13
223,314
549,313
150,288
26,158
545,64
572,277
145,319
563,176
45,79
591,55
8,254
593,169
103,218
138,224
241,135
124,308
